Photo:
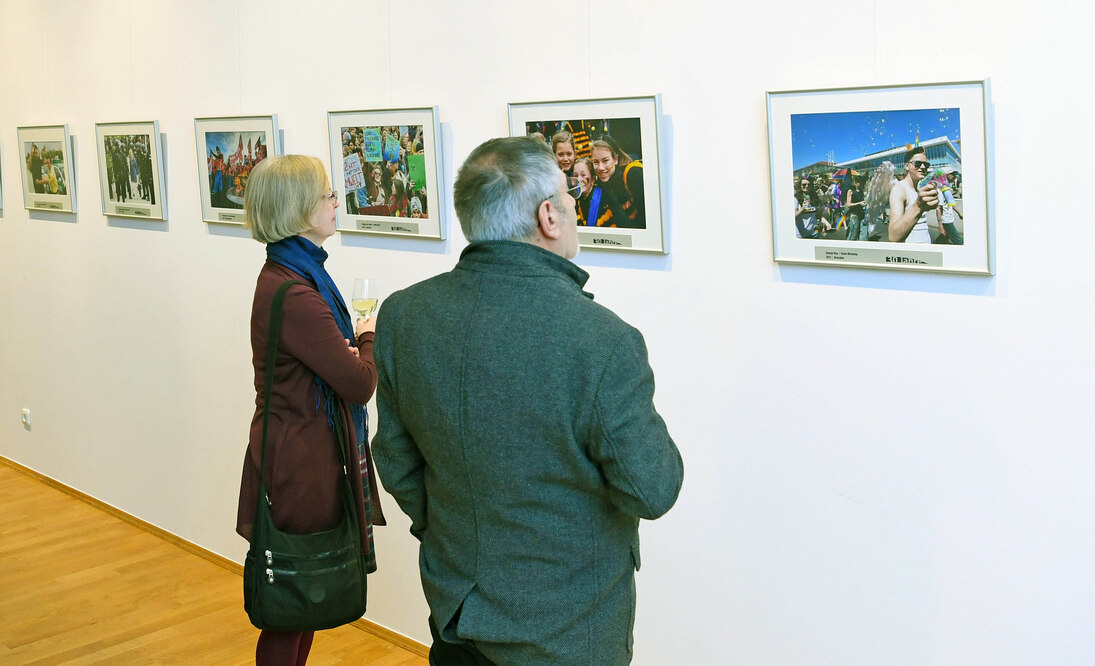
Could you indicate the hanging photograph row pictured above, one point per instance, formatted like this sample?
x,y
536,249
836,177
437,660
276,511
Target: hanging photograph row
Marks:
x,y
892,177
386,164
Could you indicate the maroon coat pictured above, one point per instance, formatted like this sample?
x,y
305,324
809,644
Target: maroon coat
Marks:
x,y
303,469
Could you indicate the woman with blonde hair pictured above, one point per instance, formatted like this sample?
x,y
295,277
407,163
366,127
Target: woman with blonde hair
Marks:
x,y
324,373
622,179
562,145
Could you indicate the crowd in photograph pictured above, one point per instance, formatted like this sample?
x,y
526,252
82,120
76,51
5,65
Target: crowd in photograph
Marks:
x,y
849,205
228,173
384,170
129,168
46,170
607,178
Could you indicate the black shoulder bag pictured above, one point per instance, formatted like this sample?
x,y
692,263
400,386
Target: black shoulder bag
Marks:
x,y
301,582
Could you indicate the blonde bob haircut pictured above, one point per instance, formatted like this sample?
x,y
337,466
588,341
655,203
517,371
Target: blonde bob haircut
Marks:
x,y
282,192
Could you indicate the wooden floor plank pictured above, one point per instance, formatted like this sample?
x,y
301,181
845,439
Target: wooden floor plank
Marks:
x,y
80,586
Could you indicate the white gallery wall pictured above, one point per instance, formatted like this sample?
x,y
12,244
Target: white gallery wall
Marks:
x,y
881,467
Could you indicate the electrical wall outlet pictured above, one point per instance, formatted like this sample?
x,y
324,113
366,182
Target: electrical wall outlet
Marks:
x,y
26,418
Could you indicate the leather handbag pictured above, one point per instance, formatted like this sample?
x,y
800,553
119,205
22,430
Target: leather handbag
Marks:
x,y
301,582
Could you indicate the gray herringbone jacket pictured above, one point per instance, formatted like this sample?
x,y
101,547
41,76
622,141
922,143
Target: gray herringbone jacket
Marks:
x,y
518,431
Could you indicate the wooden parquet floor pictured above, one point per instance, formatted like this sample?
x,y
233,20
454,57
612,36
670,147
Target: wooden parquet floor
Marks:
x,y
80,586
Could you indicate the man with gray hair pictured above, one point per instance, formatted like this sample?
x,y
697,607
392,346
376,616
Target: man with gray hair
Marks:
x,y
518,431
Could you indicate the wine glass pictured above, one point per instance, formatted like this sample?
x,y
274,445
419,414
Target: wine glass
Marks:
x,y
364,300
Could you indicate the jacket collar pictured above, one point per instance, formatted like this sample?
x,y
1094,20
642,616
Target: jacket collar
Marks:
x,y
518,258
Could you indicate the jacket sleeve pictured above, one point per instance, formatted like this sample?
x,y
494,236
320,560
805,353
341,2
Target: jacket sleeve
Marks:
x,y
310,334
398,461
629,439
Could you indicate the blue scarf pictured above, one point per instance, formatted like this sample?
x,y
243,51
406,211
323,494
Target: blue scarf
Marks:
x,y
302,256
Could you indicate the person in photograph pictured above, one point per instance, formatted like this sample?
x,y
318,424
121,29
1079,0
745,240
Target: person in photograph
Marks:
x,y
595,208
855,207
121,180
398,204
218,171
55,177
144,162
622,179
808,201
835,203
910,204
374,186
34,170
562,144
524,461
133,176
325,374
107,143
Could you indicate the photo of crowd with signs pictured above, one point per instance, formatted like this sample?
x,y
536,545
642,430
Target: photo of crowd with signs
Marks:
x,y
45,162
384,170
230,157
891,176
603,162
129,168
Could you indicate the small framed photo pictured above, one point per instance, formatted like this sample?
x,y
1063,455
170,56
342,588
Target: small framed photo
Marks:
x,y
612,149
387,170
228,149
131,172
48,182
892,177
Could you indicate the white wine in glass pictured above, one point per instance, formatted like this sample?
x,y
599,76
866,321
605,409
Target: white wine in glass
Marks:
x,y
364,299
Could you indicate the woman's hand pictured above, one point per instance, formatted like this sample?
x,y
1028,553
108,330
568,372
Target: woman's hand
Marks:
x,y
365,326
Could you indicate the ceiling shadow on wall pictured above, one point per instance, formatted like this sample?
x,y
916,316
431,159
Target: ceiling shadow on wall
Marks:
x,y
137,224
47,216
228,230
396,243
894,280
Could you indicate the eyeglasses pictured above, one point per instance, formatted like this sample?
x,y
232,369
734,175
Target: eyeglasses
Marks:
x,y
919,164
331,196
574,187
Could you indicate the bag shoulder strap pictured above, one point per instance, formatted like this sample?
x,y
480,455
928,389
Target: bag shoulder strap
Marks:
x,y
273,335
277,310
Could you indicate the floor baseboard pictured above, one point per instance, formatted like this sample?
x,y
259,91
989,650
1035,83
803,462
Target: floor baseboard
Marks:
x,y
362,624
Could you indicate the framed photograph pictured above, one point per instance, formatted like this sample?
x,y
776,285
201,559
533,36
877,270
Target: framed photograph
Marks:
x,y
228,148
48,182
387,170
893,177
131,169
612,150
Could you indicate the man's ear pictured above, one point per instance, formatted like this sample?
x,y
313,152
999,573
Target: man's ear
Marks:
x,y
548,220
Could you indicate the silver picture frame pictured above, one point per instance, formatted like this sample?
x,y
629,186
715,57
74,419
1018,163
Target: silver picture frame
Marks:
x,y
822,143
387,166
131,170
623,206
227,149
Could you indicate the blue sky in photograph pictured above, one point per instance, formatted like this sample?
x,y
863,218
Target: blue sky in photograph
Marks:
x,y
852,135
229,141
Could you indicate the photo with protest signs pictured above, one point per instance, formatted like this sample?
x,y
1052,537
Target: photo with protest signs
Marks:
x,y
386,169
